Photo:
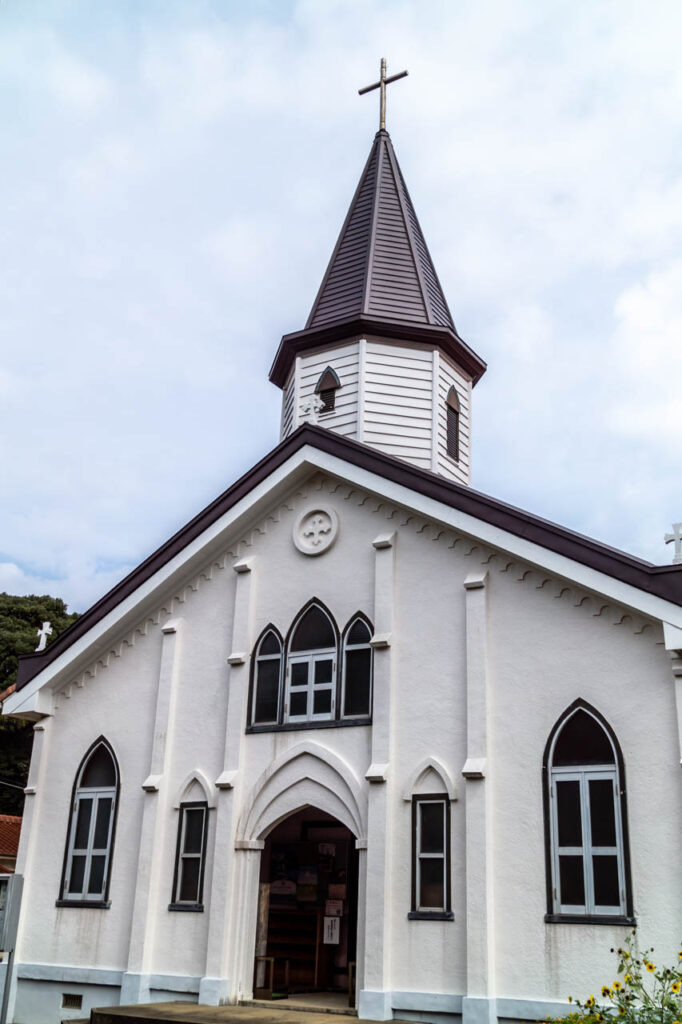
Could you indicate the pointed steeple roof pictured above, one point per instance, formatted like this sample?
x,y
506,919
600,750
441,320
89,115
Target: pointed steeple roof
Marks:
x,y
381,279
381,266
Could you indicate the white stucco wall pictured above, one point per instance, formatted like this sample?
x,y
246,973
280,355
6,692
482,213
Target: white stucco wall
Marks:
x,y
544,651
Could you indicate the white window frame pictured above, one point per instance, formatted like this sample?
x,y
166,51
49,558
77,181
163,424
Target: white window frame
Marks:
x,y
259,659
583,774
183,856
357,647
311,658
420,802
89,851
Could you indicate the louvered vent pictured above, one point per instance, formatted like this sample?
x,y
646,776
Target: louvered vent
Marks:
x,y
71,1001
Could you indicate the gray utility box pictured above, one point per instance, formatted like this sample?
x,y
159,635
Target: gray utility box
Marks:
x,y
10,901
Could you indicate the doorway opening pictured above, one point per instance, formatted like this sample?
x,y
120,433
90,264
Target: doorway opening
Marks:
x,y
306,931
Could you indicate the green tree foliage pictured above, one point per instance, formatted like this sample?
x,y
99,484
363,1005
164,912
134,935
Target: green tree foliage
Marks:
x,y
20,619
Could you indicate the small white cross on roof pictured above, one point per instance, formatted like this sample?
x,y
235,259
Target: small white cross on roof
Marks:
x,y
675,538
43,633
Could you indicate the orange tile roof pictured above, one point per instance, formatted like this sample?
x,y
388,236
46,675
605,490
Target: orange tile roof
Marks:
x,y
10,827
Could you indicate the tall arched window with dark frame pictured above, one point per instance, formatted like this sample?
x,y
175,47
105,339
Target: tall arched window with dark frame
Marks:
x,y
452,412
357,668
267,678
90,838
586,820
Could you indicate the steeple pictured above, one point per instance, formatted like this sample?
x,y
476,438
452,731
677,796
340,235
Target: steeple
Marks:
x,y
381,267
381,324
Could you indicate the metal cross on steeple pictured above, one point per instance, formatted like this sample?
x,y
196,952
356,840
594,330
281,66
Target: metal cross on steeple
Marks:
x,y
381,85
676,538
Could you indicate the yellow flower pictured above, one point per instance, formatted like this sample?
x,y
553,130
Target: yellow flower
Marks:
x,y
650,967
605,991
621,1011
627,979
617,986
675,987
589,1001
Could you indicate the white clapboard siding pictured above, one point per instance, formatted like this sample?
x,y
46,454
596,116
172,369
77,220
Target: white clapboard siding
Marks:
x,y
449,375
344,361
288,398
398,407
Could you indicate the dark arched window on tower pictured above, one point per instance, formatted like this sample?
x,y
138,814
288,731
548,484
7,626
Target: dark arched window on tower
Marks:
x,y
587,817
326,388
87,864
452,413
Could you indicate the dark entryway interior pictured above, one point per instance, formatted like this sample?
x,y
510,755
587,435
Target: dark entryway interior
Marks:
x,y
307,914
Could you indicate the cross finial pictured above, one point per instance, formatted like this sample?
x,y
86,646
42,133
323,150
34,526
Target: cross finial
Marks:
x,y
381,85
43,634
675,538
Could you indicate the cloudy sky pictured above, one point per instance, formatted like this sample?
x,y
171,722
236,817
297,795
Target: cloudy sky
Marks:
x,y
174,175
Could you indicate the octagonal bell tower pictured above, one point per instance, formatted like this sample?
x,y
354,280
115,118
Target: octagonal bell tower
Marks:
x,y
380,359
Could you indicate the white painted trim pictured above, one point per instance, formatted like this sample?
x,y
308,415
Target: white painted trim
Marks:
x,y
67,973
377,773
362,362
295,414
195,776
430,764
307,456
672,636
475,768
435,398
226,780
496,537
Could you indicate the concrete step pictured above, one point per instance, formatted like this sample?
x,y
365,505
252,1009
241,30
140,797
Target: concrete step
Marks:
x,y
264,1012
295,1004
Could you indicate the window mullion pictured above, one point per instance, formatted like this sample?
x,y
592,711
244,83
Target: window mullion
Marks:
x,y
587,842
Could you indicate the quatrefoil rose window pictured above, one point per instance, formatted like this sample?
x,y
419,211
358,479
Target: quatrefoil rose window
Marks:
x,y
316,530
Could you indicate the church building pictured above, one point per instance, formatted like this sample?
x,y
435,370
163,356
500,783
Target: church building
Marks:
x,y
357,728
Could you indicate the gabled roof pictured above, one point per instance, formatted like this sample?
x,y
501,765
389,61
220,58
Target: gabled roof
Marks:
x,y
10,829
664,582
381,278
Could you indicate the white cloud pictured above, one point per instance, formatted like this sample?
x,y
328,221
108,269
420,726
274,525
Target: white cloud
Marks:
x,y
647,359
76,84
156,249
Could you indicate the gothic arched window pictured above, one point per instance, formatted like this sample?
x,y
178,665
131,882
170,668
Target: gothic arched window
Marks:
x,y
586,841
267,677
452,427
357,668
90,840
310,691
326,388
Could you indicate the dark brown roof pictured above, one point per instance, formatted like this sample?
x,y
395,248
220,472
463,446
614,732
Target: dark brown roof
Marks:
x,y
10,828
664,581
380,279
381,266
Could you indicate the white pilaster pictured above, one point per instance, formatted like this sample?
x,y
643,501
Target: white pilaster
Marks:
x,y
374,1002
28,841
362,371
135,985
224,899
296,412
677,674
479,1003
435,392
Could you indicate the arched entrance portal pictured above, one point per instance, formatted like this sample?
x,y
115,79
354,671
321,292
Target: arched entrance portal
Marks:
x,y
306,932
